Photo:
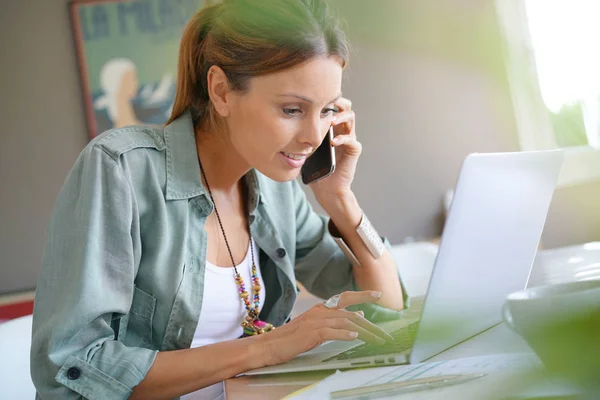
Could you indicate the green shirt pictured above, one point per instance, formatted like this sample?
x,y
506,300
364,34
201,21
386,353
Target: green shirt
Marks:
x,y
124,265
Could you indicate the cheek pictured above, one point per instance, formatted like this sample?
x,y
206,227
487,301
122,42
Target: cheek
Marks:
x,y
263,131
279,133
270,137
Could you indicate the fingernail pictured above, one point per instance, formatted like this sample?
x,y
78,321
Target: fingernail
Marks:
x,y
335,140
353,334
361,313
333,119
377,295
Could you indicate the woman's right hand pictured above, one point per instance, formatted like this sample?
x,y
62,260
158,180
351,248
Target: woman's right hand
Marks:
x,y
320,324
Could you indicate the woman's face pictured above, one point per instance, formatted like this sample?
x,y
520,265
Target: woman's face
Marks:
x,y
285,112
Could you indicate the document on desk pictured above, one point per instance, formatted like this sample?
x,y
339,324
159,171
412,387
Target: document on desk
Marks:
x,y
495,370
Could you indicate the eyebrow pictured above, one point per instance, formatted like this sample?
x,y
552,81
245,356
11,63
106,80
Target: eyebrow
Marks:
x,y
305,98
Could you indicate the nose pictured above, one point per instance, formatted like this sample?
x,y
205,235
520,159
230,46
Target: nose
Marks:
x,y
313,133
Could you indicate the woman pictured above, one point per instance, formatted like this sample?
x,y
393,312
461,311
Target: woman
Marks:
x,y
172,256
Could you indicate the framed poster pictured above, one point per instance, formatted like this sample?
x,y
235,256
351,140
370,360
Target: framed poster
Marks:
x,y
127,52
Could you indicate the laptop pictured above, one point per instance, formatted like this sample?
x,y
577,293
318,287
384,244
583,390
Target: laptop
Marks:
x,y
488,246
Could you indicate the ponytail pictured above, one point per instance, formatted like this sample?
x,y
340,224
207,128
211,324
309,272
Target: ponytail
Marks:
x,y
192,90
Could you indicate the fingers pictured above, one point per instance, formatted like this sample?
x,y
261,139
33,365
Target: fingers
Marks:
x,y
345,119
329,333
352,146
354,321
344,123
346,116
352,298
359,320
371,327
343,104
347,325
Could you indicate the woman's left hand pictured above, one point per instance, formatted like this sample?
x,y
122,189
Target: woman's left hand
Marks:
x,y
347,151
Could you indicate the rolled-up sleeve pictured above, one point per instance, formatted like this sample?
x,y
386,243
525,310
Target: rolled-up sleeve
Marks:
x,y
321,266
86,282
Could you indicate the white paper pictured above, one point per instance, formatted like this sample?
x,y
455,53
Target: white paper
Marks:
x,y
498,369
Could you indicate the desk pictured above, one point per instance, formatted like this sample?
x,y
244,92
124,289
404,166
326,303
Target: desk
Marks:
x,y
498,339
551,266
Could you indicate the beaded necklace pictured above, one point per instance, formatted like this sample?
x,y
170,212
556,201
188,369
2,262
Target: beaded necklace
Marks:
x,y
251,324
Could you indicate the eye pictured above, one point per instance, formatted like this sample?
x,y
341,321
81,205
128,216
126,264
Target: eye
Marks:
x,y
329,111
290,112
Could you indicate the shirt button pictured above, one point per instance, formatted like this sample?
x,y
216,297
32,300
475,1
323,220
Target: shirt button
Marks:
x,y
280,252
73,373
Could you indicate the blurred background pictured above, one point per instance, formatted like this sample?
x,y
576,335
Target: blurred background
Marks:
x,y
431,81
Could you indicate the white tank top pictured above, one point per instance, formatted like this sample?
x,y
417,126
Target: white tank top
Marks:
x,y
223,311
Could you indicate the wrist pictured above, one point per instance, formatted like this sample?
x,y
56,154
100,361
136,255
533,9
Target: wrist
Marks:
x,y
335,199
368,236
344,211
260,351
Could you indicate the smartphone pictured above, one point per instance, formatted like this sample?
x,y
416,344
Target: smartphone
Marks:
x,y
321,163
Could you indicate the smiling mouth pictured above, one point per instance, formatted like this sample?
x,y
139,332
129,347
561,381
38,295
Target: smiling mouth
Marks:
x,y
297,157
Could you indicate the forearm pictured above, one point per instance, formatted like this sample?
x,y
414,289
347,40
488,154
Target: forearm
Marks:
x,y
177,372
379,274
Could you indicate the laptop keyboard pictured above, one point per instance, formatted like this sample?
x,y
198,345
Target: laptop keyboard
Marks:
x,y
403,340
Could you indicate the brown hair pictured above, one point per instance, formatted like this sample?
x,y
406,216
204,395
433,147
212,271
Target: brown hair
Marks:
x,y
248,38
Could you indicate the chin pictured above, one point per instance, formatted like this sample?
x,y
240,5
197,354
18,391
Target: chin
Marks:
x,y
281,175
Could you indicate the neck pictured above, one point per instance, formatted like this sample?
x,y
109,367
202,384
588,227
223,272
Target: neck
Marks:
x,y
223,166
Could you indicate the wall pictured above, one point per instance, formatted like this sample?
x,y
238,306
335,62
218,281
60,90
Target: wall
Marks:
x,y
426,83
427,80
42,131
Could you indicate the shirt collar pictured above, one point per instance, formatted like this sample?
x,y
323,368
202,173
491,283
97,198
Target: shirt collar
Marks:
x,y
255,195
183,170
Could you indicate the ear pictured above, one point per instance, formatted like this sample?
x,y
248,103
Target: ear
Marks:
x,y
218,90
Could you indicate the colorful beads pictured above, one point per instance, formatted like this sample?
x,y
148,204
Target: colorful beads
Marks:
x,y
257,327
251,324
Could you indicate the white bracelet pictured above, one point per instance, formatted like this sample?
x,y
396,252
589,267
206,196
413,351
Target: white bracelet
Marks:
x,y
366,232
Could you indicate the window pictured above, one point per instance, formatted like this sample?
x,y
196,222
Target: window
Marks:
x,y
553,68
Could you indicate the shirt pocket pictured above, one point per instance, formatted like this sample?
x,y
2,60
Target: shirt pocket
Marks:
x,y
140,318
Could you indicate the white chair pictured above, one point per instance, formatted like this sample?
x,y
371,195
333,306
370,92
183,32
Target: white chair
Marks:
x,y
15,342
415,264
